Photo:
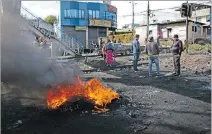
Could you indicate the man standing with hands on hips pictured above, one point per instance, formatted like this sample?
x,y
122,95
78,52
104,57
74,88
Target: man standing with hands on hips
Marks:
x,y
176,50
136,52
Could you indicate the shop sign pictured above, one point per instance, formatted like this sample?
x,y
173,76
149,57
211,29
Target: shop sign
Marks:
x,y
82,28
99,23
112,9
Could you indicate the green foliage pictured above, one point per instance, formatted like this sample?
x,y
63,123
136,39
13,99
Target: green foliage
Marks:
x,y
198,47
51,19
166,42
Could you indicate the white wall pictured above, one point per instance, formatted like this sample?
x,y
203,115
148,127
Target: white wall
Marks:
x,y
142,32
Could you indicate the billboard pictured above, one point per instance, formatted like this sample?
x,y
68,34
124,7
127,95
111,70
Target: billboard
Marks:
x,y
112,9
80,28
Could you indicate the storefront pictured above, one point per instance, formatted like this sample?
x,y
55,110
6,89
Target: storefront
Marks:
x,y
86,21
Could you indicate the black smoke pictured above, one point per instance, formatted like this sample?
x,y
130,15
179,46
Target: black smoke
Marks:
x,y
25,65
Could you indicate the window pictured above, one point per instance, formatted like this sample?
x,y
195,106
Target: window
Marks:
x,y
114,17
71,13
194,28
65,13
74,13
107,15
97,14
90,13
94,14
169,31
199,19
110,16
80,13
83,14
208,18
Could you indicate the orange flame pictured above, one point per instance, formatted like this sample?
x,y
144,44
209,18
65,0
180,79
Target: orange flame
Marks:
x,y
92,91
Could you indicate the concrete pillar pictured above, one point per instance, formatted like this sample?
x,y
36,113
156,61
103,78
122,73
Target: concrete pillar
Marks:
x,y
107,32
72,43
97,33
51,50
86,38
13,6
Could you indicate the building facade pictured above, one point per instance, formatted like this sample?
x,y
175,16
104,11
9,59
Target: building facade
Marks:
x,y
87,21
203,14
168,29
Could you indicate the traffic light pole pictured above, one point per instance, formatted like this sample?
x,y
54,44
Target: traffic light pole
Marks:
x,y
187,29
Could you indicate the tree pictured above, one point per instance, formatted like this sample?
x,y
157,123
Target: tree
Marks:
x,y
51,19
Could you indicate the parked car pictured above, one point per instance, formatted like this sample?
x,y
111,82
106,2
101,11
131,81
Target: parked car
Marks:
x,y
120,49
202,41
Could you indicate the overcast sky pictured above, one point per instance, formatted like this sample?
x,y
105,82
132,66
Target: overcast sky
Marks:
x,y
45,8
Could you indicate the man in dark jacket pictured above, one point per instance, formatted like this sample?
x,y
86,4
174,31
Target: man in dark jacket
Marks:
x,y
152,50
176,50
136,52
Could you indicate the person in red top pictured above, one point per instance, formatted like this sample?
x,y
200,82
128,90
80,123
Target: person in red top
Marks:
x,y
109,54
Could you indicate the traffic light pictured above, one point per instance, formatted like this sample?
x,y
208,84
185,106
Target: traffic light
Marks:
x,y
186,10
190,11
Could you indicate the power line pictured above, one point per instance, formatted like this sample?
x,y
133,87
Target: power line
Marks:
x,y
162,12
177,7
141,13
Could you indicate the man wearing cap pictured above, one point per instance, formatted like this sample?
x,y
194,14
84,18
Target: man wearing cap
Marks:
x,y
176,50
152,50
136,52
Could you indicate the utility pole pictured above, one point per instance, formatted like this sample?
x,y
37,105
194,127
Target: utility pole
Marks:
x,y
187,28
133,19
147,26
194,27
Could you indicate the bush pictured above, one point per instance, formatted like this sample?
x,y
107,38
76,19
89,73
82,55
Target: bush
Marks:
x,y
198,47
166,42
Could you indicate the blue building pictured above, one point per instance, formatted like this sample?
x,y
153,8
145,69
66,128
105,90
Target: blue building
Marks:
x,y
87,21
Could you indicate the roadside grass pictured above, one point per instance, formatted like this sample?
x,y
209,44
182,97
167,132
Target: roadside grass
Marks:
x,y
193,48
166,43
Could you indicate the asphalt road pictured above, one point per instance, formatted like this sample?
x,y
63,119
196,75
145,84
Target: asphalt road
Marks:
x,y
149,105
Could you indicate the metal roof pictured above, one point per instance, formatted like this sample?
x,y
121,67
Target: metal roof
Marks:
x,y
176,21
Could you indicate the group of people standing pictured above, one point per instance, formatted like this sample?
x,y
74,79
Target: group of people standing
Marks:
x,y
152,50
